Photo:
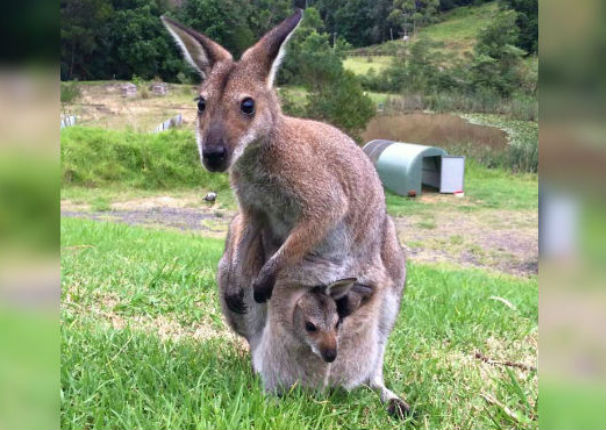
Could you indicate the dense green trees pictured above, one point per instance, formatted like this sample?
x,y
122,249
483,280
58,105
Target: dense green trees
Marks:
x,y
104,39
526,21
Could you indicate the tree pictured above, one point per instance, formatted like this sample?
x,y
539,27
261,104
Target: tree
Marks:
x,y
224,21
81,24
496,64
526,21
343,104
408,14
335,95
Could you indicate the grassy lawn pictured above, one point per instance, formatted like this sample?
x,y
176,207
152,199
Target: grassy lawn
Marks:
x,y
144,345
484,189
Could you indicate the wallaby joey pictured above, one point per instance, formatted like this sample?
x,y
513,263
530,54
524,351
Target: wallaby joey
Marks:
x,y
307,185
248,318
301,336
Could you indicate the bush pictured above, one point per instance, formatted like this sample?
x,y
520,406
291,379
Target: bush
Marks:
x,y
497,61
342,104
69,92
96,157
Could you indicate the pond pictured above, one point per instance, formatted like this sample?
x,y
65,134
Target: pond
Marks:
x,y
442,130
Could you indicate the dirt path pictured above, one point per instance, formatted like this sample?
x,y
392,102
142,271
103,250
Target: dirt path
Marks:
x,y
500,240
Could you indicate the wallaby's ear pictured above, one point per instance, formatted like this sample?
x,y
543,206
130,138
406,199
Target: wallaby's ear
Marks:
x,y
200,51
269,51
339,289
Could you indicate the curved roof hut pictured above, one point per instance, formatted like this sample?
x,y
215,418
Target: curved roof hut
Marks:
x,y
404,167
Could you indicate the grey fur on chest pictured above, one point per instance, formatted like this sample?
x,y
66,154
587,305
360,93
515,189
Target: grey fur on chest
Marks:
x,y
264,194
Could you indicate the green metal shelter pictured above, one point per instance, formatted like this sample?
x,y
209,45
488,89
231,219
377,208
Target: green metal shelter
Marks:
x,y
404,167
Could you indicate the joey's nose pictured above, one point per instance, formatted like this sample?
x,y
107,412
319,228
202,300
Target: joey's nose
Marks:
x,y
329,355
214,157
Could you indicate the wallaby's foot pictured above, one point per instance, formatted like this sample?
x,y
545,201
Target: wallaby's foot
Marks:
x,y
235,302
398,408
262,288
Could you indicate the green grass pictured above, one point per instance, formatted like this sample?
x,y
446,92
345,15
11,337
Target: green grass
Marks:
x,y
459,27
134,302
360,65
484,189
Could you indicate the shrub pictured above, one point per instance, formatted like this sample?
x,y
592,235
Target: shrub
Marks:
x,y
343,104
69,92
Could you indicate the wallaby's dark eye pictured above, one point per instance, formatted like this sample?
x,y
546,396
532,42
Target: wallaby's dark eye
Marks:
x,y
201,104
310,327
248,106
337,324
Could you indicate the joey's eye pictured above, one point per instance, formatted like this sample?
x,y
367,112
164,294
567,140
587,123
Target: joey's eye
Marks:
x,y
337,324
202,104
310,327
247,106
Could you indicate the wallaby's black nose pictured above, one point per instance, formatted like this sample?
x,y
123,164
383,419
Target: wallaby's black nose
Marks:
x,y
329,355
214,157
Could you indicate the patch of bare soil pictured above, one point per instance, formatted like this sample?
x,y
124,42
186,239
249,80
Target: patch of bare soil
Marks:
x,y
441,130
104,106
501,240
183,214
157,202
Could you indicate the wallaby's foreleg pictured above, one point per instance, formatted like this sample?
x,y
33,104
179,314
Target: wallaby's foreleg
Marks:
x,y
396,406
245,258
300,241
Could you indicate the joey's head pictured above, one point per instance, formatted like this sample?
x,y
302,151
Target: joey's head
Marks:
x,y
236,102
316,320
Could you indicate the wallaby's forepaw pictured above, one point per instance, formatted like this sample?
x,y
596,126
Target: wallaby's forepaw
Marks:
x,y
235,302
262,288
398,408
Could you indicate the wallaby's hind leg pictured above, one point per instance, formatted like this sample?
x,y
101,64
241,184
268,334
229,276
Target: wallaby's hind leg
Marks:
x,y
397,407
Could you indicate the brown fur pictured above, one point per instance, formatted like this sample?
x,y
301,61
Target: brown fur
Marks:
x,y
309,193
307,185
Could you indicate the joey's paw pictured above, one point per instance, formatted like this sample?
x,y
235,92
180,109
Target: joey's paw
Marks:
x,y
262,289
235,302
398,409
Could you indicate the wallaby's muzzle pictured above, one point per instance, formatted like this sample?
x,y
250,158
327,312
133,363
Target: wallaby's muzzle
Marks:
x,y
214,149
329,355
215,158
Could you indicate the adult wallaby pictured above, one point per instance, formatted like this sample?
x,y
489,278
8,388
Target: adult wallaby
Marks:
x,y
307,186
295,337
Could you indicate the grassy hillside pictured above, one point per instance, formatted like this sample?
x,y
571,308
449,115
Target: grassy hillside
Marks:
x,y
456,32
459,27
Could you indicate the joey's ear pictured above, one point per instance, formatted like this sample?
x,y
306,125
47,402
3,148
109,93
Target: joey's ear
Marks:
x,y
265,56
339,289
200,51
